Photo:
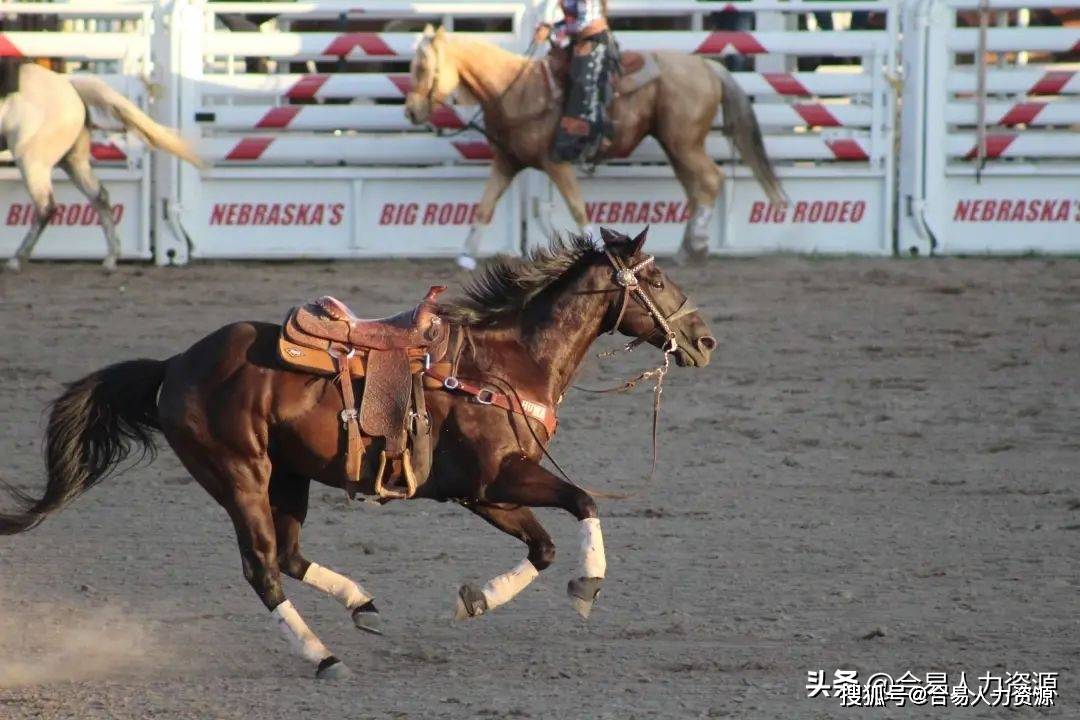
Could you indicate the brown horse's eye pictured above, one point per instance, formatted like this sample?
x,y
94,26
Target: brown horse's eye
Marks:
x,y
658,284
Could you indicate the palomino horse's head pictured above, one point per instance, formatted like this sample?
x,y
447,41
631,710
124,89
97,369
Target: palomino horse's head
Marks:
x,y
434,76
647,305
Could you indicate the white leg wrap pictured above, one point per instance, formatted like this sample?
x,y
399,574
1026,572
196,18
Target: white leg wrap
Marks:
x,y
472,242
593,562
700,221
303,642
346,591
500,590
590,231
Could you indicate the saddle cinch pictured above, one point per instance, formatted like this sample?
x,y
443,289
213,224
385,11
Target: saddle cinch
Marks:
x,y
391,354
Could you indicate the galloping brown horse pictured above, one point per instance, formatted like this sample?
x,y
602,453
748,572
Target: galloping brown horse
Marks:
x,y
521,111
254,432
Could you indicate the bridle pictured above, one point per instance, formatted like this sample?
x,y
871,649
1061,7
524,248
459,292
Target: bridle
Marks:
x,y
626,278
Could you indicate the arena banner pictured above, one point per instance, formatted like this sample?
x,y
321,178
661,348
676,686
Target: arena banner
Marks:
x,y
75,229
303,216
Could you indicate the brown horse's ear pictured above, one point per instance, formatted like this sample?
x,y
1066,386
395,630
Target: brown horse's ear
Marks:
x,y
612,237
637,243
429,30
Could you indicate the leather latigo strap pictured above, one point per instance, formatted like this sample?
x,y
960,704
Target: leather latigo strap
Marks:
x,y
486,396
354,444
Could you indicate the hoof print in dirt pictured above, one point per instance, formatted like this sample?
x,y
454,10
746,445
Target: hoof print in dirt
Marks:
x,y
367,618
470,603
583,593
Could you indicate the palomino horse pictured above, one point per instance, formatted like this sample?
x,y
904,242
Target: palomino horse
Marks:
x,y
45,122
254,432
521,111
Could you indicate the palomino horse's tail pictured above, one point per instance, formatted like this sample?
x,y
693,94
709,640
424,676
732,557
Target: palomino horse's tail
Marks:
x,y
93,426
741,125
96,93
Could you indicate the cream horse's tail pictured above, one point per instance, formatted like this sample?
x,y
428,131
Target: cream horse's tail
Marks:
x,y
97,94
741,125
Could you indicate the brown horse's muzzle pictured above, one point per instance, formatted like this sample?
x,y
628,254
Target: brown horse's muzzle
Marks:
x,y
695,343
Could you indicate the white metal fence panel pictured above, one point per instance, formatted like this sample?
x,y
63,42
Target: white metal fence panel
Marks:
x,y
1021,191
118,49
305,127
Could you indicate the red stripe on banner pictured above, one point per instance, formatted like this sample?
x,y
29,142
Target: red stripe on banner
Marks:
x,y
444,117
402,82
995,146
306,87
370,43
7,48
1051,83
106,151
785,84
847,149
473,149
816,114
741,42
1075,48
249,148
278,117
1022,113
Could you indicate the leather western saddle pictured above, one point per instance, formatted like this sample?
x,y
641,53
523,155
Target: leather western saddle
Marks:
x,y
391,355
636,70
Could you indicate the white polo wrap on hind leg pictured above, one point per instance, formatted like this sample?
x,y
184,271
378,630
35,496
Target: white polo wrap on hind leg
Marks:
x,y
503,588
346,591
593,561
300,637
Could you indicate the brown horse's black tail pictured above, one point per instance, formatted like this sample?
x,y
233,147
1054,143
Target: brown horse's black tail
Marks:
x,y
741,125
93,426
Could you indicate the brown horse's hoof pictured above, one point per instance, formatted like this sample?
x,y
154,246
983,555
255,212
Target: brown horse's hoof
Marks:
x,y
332,669
583,593
367,618
470,603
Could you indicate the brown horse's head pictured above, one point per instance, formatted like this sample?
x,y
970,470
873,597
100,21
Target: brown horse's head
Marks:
x,y
434,76
648,285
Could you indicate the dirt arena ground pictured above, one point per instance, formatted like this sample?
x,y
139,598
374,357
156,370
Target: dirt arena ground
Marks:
x,y
878,472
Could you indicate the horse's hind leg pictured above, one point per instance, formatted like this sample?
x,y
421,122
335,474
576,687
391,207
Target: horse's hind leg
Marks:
x,y
38,179
701,179
77,166
524,482
522,524
240,483
289,504
502,174
562,174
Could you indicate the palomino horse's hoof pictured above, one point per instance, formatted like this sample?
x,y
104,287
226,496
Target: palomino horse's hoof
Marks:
x,y
332,669
470,603
466,262
109,264
367,618
13,264
583,592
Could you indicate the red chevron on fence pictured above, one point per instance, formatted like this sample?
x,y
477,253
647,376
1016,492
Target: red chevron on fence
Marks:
x,y
7,48
370,43
249,148
741,42
1051,83
306,87
402,82
816,114
278,117
106,152
847,149
473,149
995,146
446,118
785,84
1022,113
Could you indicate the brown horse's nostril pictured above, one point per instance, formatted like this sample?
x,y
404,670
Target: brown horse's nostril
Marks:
x,y
706,343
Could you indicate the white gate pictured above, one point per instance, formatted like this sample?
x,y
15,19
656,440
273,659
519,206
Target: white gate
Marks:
x,y
113,41
829,130
1025,193
312,154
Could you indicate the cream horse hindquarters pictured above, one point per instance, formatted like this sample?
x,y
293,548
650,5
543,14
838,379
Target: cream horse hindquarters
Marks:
x,y
521,112
45,123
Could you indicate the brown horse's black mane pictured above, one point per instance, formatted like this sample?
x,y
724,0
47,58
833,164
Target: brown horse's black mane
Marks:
x,y
504,285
